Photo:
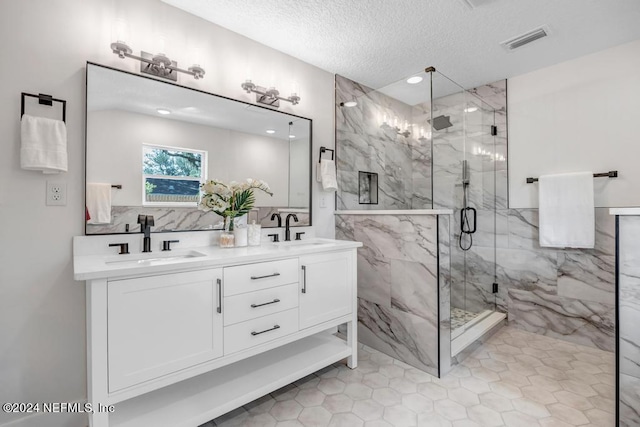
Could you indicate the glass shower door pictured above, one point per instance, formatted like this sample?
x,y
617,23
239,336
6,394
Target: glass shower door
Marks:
x,y
464,180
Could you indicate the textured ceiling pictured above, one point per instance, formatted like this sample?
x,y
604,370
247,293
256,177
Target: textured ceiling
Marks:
x,y
377,42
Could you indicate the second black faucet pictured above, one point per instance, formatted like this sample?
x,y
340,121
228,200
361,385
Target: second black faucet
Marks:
x,y
146,222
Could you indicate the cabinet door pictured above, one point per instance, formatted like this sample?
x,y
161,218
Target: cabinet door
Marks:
x,y
326,287
161,324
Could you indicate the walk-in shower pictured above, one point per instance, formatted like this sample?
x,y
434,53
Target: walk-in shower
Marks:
x,y
428,266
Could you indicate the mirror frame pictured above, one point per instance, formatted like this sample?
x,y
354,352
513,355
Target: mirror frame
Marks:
x,y
86,99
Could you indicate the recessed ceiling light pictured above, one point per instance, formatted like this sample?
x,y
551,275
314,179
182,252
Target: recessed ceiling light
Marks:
x,y
470,109
270,131
163,111
291,136
350,103
413,80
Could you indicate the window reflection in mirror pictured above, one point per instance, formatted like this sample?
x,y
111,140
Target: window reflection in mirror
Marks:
x,y
159,141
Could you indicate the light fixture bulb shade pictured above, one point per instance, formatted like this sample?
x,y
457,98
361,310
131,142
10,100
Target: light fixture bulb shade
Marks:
x,y
120,31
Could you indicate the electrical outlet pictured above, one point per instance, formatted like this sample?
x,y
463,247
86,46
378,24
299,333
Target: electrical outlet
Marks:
x,y
323,201
56,193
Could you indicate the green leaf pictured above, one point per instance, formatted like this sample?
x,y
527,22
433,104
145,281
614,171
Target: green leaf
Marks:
x,y
243,202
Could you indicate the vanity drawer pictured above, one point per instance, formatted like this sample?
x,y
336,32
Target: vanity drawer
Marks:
x,y
251,305
260,275
259,331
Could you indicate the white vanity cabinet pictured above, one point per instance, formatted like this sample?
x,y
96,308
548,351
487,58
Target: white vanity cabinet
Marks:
x,y
326,287
157,325
177,344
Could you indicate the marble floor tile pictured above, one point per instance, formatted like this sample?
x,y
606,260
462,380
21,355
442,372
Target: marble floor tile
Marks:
x,y
519,388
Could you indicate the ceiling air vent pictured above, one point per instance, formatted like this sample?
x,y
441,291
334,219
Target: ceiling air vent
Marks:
x,y
526,38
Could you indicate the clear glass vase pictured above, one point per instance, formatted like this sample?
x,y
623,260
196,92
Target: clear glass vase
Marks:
x,y
227,239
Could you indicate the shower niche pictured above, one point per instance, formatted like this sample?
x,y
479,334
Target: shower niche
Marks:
x,y
367,188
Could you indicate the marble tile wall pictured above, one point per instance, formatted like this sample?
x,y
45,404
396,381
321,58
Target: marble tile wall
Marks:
x,y
403,163
629,318
397,284
562,293
181,219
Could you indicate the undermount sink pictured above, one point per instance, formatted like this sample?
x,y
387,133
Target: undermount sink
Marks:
x,y
304,243
152,258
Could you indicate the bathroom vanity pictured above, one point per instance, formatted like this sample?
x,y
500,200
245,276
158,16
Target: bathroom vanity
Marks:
x,y
178,338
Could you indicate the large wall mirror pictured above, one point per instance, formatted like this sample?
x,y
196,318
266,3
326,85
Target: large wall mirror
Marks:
x,y
151,143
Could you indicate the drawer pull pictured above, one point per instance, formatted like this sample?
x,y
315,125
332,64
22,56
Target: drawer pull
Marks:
x,y
265,303
264,277
219,283
266,330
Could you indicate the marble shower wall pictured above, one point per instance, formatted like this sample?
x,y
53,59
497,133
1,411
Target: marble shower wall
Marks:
x,y
397,284
180,219
403,164
629,318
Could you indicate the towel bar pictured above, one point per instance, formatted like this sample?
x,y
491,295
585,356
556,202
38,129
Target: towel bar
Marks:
x,y
44,99
610,174
322,150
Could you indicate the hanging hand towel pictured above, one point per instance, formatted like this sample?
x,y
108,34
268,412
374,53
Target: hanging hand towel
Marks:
x,y
44,144
567,211
328,175
99,203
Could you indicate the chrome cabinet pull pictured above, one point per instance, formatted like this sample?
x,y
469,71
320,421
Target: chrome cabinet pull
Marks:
x,y
264,277
304,279
265,303
266,330
219,283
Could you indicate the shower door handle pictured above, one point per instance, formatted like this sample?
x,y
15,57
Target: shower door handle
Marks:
x,y
462,220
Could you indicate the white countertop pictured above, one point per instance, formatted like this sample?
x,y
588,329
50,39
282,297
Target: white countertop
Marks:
x,y
100,266
624,211
398,212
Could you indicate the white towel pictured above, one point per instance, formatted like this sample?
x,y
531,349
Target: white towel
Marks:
x,y
328,175
99,203
44,144
567,211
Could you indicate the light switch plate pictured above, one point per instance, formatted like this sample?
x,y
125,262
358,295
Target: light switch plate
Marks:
x,y
56,193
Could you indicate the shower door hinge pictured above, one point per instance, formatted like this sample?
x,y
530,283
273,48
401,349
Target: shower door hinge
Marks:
x,y
494,130
495,288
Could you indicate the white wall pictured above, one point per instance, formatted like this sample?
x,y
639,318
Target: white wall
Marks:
x,y
42,309
115,153
579,115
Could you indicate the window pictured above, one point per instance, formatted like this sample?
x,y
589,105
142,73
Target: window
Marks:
x,y
172,175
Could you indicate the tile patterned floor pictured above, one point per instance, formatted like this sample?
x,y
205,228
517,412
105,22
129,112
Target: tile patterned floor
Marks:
x,y
515,379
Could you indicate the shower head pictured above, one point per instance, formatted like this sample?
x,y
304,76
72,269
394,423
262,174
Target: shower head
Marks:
x,y
440,122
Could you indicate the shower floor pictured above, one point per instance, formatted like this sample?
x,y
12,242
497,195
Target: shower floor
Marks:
x,y
461,317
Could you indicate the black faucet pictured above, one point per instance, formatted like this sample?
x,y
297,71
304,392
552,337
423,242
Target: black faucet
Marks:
x,y
146,222
277,215
287,231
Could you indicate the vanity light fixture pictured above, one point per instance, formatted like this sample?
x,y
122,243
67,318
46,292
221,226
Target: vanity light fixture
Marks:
x,y
271,131
292,136
470,109
414,80
156,65
163,111
270,96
